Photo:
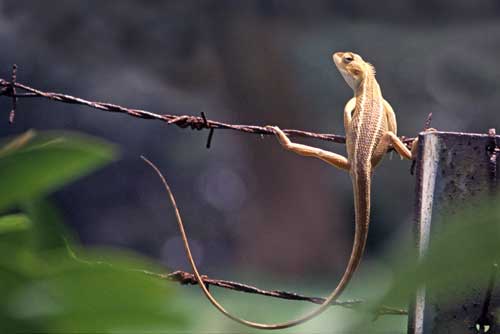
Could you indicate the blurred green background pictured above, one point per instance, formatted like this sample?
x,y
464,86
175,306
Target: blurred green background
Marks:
x,y
254,212
51,283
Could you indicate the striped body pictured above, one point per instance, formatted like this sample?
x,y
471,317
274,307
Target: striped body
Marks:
x,y
367,126
363,134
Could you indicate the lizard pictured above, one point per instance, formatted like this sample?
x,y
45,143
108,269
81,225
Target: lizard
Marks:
x,y
371,128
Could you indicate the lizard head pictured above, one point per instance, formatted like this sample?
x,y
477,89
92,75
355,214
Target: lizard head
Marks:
x,y
352,67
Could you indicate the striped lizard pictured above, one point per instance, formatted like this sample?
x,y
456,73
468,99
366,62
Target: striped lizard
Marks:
x,y
370,126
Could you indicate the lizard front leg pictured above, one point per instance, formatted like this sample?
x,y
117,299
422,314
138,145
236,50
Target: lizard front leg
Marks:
x,y
390,137
334,159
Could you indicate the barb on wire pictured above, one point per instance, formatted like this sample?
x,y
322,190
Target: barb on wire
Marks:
x,y
10,90
207,125
428,122
182,121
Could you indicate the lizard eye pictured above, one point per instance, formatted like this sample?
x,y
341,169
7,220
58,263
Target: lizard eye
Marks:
x,y
348,59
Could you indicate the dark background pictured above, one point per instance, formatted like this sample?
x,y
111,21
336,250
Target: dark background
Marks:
x,y
249,206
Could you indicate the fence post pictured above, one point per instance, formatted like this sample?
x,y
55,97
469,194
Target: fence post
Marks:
x,y
452,168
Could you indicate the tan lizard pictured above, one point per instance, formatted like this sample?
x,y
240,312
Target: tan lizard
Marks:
x,y
370,126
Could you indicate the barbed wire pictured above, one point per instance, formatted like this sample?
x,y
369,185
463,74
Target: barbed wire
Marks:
x,y
9,89
186,278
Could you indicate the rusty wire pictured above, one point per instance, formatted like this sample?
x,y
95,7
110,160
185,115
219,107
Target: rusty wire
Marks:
x,y
182,121
186,278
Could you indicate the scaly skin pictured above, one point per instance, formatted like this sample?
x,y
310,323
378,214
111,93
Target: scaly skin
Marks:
x,y
370,126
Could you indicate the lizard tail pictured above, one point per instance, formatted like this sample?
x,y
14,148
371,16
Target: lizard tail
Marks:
x,y
362,212
361,185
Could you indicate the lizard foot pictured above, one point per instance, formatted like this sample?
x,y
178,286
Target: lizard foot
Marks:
x,y
282,137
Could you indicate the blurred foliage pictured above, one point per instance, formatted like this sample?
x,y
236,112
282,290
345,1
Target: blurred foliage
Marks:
x,y
43,286
461,258
459,262
31,167
46,287
463,248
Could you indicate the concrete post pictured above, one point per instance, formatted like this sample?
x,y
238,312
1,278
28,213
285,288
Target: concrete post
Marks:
x,y
452,168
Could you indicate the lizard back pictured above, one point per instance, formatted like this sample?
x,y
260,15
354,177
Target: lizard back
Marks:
x,y
367,126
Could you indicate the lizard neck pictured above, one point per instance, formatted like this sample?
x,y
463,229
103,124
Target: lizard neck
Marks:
x,y
368,87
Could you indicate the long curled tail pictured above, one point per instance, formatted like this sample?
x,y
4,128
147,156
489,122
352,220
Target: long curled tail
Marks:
x,y
358,247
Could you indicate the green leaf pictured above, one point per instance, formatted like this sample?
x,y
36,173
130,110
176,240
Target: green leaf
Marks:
x,y
467,246
34,165
14,223
99,297
53,290
15,236
69,294
17,142
49,231
462,250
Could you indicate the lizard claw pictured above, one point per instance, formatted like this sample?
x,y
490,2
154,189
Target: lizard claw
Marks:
x,y
282,137
271,128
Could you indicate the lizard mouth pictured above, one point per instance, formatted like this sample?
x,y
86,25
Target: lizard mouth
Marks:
x,y
337,58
